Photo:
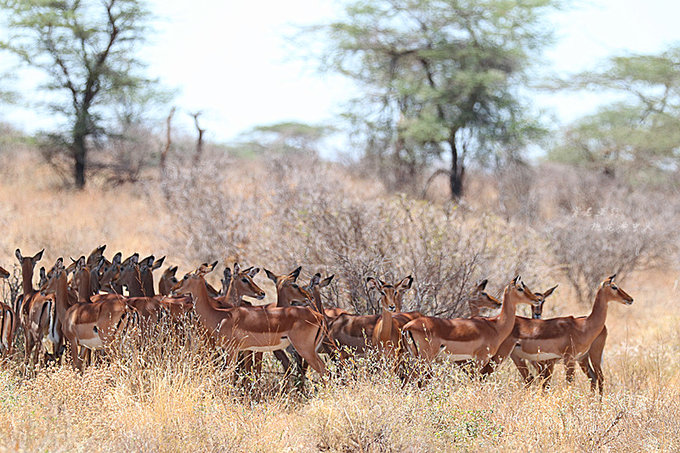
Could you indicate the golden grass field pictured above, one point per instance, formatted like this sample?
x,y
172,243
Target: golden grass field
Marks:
x,y
166,404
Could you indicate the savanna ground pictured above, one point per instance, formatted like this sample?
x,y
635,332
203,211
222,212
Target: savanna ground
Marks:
x,y
281,213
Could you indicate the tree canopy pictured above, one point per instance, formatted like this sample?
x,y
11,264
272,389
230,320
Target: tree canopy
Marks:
x,y
439,77
638,135
87,51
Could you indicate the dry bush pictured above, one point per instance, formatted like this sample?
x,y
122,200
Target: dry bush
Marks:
x,y
209,215
590,246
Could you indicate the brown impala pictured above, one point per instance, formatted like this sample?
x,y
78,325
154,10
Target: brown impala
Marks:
x,y
474,339
7,323
571,339
89,325
262,328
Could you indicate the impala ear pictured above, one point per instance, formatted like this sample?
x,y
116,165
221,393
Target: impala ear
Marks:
x,y
550,291
117,258
326,281
405,283
17,253
611,278
296,273
515,281
42,272
158,263
253,271
271,276
373,283
38,256
212,266
481,286
227,273
59,264
237,268
316,279
173,270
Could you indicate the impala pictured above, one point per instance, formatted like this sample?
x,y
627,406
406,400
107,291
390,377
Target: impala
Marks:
x,y
475,339
386,333
89,325
35,309
571,339
288,293
358,332
7,323
262,328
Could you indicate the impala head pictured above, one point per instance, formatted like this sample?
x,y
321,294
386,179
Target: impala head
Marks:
x,y
314,287
521,293
194,283
614,293
287,291
390,295
28,263
241,281
479,298
168,281
50,284
110,271
537,308
95,256
5,274
131,260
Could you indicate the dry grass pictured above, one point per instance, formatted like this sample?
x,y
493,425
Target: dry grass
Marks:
x,y
156,403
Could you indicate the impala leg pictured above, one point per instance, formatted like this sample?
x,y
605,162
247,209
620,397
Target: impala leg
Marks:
x,y
595,354
282,357
570,367
502,353
547,372
523,369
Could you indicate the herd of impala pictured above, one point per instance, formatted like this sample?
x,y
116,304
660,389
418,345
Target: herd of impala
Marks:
x,y
93,300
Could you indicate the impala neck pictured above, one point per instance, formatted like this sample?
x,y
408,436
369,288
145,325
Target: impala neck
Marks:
x,y
135,285
386,328
597,317
61,296
84,291
233,297
27,279
147,283
474,309
204,309
505,320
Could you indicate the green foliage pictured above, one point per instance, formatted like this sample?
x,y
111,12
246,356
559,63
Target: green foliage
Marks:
x,y
283,138
86,50
639,137
439,75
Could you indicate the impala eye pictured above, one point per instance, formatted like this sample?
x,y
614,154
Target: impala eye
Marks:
x,y
615,287
244,280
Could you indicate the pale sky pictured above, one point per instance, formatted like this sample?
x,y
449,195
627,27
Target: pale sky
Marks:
x,y
233,59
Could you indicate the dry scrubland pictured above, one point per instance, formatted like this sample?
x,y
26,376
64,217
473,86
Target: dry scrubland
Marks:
x,y
282,213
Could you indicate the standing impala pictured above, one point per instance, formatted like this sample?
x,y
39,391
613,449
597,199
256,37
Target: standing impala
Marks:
x,y
261,328
475,339
35,309
84,324
7,323
572,339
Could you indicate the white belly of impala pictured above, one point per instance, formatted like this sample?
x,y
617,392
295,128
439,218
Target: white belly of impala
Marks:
x,y
538,357
92,343
283,344
458,357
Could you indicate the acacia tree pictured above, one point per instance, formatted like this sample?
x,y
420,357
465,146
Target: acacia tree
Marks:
x,y
639,136
439,77
86,50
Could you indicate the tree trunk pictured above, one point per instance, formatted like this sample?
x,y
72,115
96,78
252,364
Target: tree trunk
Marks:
x,y
79,155
457,169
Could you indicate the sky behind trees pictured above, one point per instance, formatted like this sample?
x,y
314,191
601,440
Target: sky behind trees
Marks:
x,y
235,61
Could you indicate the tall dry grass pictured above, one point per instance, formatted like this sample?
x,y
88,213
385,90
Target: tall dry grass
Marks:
x,y
177,397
